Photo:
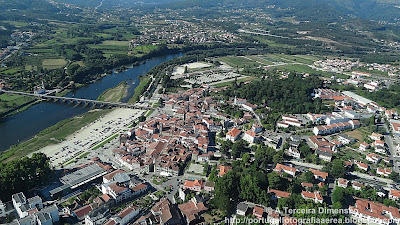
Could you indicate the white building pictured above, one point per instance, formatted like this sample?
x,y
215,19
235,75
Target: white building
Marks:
x,y
250,136
294,152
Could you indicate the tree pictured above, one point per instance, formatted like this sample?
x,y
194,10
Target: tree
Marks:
x,y
142,118
305,150
308,177
226,146
336,205
160,101
226,191
278,157
389,202
338,195
274,180
205,170
238,148
23,174
246,157
393,176
338,169
213,173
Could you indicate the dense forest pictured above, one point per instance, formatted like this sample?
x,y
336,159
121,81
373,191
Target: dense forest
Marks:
x,y
23,175
34,10
5,31
291,95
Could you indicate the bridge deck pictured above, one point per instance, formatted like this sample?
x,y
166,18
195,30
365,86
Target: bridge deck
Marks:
x,y
80,100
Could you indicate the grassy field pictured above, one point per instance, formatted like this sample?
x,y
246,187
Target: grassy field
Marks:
x,y
360,133
307,69
11,102
267,60
239,80
238,61
140,89
106,141
143,49
54,63
59,131
114,94
112,47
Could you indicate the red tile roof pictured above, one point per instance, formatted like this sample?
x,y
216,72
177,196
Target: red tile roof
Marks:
x,y
111,175
234,132
280,194
258,210
83,211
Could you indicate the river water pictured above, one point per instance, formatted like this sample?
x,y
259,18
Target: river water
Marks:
x,y
22,126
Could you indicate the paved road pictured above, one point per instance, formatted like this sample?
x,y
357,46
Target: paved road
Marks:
x,y
172,182
308,165
358,174
373,178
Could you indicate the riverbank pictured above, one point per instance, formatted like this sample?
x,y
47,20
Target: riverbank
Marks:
x,y
26,125
12,104
140,89
91,136
114,94
52,135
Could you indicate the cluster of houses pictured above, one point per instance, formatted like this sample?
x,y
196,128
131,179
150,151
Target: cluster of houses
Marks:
x,y
362,210
30,211
165,143
288,120
180,31
341,65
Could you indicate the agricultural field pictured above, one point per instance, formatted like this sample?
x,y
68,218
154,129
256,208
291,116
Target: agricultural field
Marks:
x,y
112,47
143,49
238,61
54,63
268,60
10,71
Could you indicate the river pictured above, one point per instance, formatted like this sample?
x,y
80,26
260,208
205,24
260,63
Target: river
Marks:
x,y
22,126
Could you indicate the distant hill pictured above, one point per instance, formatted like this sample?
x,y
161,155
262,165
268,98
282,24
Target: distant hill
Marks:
x,y
379,10
105,4
32,10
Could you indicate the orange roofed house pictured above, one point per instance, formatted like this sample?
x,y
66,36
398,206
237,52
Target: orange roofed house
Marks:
x,y
233,135
196,185
223,170
258,211
286,169
319,175
276,194
314,196
374,213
